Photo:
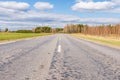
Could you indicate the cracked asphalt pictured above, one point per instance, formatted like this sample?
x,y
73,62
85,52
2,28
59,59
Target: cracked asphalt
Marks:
x,y
58,57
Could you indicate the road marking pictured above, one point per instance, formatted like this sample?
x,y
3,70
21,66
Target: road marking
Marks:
x,y
59,48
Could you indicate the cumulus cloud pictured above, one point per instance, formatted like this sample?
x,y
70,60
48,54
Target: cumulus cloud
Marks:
x,y
104,6
34,18
93,5
116,1
12,5
18,18
43,5
100,20
84,0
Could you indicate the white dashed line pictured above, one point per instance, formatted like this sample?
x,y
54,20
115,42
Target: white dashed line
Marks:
x,y
59,48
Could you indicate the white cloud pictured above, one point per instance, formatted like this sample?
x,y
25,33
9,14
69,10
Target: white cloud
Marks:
x,y
43,5
12,5
84,0
34,18
18,18
107,6
100,20
93,5
115,10
116,1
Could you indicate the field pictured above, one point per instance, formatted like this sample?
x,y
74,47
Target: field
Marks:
x,y
112,41
12,36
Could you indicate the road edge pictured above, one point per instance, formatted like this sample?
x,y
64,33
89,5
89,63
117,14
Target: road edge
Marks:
x,y
96,42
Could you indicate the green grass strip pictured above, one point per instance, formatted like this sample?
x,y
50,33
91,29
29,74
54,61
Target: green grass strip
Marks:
x,y
12,36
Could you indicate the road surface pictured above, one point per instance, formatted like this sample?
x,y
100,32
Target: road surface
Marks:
x,y
58,57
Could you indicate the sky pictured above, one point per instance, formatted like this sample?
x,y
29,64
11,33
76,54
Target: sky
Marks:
x,y
27,14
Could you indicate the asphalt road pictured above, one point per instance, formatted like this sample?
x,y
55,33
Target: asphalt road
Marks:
x,y
58,57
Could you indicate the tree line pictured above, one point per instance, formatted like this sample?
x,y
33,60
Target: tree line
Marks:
x,y
39,29
101,30
47,29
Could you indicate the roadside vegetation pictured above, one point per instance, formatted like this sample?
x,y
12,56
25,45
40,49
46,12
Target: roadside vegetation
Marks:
x,y
102,30
12,36
107,34
19,34
105,40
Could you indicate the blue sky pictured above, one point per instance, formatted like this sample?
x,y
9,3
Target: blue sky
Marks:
x,y
26,14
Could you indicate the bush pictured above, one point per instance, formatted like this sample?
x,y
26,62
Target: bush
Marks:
x,y
44,29
24,31
6,29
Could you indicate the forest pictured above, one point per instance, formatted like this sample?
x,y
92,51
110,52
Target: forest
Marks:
x,y
101,30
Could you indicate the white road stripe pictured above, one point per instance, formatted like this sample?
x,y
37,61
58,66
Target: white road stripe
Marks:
x,y
59,48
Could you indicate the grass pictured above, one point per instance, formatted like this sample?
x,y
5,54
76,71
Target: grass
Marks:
x,y
104,40
13,36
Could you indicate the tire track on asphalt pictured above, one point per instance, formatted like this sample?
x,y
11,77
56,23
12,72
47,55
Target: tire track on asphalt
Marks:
x,y
107,66
23,53
67,67
56,67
